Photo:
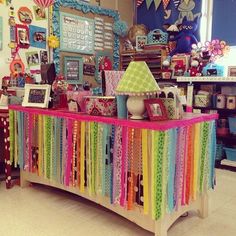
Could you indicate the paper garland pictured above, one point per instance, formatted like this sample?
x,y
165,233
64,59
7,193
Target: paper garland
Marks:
x,y
156,2
114,161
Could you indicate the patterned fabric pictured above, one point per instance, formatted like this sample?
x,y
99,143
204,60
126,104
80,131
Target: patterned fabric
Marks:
x,y
165,3
112,79
4,123
137,79
113,161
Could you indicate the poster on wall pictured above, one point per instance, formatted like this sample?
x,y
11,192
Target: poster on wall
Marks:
x,y
37,36
77,33
32,58
1,31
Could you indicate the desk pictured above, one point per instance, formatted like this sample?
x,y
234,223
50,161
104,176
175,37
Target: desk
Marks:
x,y
4,124
149,172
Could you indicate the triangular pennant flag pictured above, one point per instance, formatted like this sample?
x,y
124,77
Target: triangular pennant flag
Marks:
x,y
186,1
165,3
139,2
157,3
149,2
176,3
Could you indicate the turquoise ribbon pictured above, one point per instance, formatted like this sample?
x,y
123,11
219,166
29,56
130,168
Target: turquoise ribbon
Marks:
x,y
171,177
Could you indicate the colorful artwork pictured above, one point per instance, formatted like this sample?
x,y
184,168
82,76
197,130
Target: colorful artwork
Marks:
x,y
25,15
39,13
37,36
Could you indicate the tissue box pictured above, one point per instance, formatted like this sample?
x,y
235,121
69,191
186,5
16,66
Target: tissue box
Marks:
x,y
202,100
100,106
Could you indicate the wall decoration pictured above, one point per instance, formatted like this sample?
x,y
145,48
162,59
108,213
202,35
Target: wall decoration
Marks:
x,y
32,58
89,69
39,13
36,95
141,41
43,57
22,36
37,36
84,8
1,32
53,41
17,66
73,70
77,33
25,15
103,62
44,3
156,109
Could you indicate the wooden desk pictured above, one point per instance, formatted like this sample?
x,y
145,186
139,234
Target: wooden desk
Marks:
x,y
148,172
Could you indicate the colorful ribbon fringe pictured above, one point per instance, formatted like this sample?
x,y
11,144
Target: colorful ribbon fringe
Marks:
x,y
130,166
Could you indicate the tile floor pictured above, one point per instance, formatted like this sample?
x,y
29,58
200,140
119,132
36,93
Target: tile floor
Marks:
x,y
43,211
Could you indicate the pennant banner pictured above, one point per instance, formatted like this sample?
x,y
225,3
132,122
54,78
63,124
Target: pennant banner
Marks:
x,y
149,2
139,2
165,3
176,3
157,3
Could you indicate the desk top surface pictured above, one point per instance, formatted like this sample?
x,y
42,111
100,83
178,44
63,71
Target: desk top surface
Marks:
x,y
188,118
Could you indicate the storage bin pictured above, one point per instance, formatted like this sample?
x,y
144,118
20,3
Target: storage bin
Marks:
x,y
232,125
202,100
230,153
230,102
220,101
219,151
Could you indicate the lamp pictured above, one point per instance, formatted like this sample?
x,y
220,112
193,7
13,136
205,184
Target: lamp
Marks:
x,y
137,82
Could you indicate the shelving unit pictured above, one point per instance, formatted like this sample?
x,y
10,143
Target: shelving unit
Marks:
x,y
153,58
224,113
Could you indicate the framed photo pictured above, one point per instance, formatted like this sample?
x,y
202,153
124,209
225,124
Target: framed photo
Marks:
x,y
22,36
43,57
17,66
36,95
37,36
141,41
32,58
179,64
155,109
232,71
39,13
73,70
89,69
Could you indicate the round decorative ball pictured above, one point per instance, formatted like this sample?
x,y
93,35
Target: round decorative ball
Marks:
x,y
137,30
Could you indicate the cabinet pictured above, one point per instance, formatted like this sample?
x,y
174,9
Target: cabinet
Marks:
x,y
153,58
216,86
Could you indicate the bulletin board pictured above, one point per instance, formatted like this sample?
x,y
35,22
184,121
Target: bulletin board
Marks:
x,y
103,44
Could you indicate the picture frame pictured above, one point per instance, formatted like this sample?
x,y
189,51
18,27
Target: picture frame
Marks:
x,y
38,36
22,36
179,65
141,41
73,69
32,58
1,32
39,13
25,15
36,95
156,109
17,66
232,71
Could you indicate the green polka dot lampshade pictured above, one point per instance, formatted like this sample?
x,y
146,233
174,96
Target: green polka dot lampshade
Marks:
x,y
137,80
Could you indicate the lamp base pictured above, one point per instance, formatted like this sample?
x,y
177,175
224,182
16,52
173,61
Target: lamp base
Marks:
x,y
136,107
